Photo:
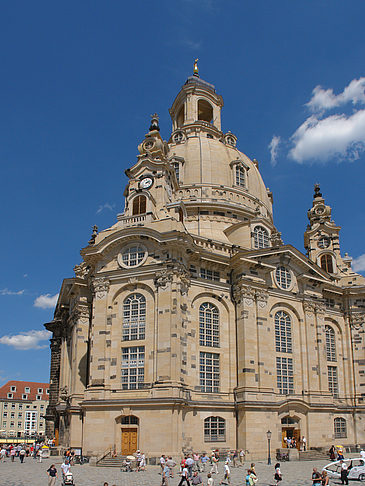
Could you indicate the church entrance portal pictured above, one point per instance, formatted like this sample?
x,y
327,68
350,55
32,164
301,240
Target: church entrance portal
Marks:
x,y
290,430
129,429
129,441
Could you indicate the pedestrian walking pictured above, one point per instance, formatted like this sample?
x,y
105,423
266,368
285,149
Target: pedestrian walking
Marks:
x,y
304,442
52,475
184,477
2,454
171,463
162,462
189,464
235,458
344,473
165,475
204,459
242,457
277,476
22,454
332,453
227,474
214,469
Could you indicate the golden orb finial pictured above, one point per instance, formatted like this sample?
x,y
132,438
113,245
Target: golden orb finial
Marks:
x,y
196,70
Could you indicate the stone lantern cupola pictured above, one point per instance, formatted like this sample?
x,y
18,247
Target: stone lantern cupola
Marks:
x,y
197,104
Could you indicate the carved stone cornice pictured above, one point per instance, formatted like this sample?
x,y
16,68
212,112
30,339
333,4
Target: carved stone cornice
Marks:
x,y
100,287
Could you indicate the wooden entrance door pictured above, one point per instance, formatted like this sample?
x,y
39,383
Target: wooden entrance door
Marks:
x,y
297,438
129,441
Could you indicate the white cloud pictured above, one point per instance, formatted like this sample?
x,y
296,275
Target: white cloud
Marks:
x,y
11,292
358,264
46,301
325,99
105,206
274,147
337,136
27,340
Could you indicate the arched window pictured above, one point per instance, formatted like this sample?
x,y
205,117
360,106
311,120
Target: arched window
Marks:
x,y
330,343
209,325
326,263
134,317
205,111
214,429
260,237
139,205
240,178
340,428
283,334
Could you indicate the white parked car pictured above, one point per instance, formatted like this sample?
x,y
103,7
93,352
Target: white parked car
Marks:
x,y
355,467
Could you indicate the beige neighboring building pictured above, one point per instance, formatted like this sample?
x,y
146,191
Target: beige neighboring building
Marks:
x,y
23,407
190,325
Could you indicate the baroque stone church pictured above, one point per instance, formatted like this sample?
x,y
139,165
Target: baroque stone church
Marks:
x,y
190,325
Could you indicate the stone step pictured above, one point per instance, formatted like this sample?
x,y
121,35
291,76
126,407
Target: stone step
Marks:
x,y
111,461
312,455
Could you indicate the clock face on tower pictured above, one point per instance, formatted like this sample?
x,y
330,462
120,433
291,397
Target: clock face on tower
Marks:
x,y
146,183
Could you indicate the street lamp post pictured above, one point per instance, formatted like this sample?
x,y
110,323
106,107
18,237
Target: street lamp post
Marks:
x,y
268,435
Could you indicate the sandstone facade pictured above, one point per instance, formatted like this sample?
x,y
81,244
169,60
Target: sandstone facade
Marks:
x,y
190,325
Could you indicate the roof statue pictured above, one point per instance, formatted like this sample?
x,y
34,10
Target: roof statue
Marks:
x,y
196,70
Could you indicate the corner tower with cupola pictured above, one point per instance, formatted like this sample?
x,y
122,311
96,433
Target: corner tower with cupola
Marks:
x,y
189,325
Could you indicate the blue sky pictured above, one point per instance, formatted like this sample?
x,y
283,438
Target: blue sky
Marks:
x,y
79,81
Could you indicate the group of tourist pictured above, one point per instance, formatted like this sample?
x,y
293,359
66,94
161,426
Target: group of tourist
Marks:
x,y
53,474
193,464
22,451
291,443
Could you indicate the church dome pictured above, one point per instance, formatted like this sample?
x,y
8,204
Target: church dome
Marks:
x,y
215,179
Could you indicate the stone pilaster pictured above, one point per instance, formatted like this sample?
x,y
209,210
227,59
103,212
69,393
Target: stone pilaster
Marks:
x,y
99,332
55,345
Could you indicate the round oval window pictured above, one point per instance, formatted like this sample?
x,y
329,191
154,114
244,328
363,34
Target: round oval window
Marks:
x,y
132,256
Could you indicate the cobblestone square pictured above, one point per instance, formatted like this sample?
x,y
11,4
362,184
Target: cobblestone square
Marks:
x,y
32,473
